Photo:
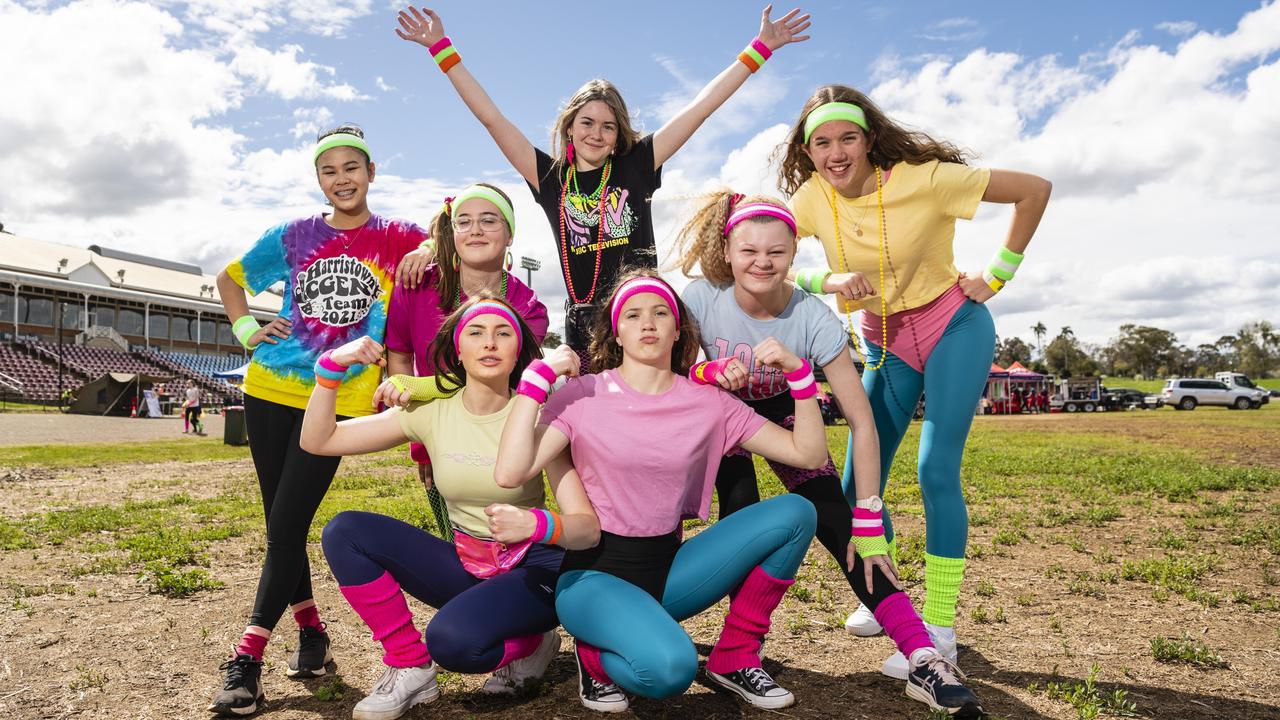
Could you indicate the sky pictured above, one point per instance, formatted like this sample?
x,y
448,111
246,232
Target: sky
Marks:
x,y
183,130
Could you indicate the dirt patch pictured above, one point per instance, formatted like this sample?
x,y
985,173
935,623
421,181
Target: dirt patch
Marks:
x,y
96,646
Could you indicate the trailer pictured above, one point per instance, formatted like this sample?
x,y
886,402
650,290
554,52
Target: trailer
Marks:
x,y
1078,394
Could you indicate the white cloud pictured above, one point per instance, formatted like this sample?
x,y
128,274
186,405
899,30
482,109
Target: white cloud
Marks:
x,y
382,84
1180,28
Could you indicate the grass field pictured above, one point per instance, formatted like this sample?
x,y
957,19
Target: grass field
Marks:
x,y
1119,564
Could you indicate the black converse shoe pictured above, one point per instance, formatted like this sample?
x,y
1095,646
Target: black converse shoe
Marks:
x,y
312,655
598,696
241,693
938,683
755,686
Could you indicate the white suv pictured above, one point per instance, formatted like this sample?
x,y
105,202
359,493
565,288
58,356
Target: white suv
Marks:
x,y
1187,393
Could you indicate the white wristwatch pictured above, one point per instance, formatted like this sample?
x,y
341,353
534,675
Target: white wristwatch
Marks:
x,y
873,503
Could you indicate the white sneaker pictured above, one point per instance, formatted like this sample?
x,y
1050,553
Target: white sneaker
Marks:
x,y
944,640
863,623
396,691
509,678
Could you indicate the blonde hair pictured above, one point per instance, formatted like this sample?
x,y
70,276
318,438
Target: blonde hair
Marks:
x,y
447,253
702,242
604,91
606,353
888,141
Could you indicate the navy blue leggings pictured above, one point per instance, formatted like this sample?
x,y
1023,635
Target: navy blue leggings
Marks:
x,y
475,616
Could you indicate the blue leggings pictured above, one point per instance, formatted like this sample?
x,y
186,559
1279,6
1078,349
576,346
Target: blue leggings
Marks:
x,y
642,646
475,616
953,379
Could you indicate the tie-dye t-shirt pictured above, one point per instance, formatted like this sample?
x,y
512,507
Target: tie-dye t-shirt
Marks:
x,y
337,288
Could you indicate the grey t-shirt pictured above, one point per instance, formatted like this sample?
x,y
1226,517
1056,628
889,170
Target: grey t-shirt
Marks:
x,y
807,327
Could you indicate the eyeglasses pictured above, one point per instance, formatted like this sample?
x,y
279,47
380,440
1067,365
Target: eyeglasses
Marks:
x,y
488,223
343,129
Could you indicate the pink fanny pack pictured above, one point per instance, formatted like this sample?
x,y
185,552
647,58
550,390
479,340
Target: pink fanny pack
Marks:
x,y
486,558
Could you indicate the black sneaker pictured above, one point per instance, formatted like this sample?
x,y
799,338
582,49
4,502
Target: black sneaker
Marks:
x,y
599,696
755,686
312,655
241,694
938,683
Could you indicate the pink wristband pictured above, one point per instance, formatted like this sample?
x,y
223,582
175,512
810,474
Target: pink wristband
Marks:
x,y
327,362
801,380
867,523
441,44
539,525
530,390
761,48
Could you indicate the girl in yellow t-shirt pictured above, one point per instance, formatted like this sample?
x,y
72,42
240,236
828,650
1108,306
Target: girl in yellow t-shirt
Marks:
x,y
493,583
884,200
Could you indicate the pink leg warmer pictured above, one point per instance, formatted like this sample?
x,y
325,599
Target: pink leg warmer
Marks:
x,y
747,622
382,606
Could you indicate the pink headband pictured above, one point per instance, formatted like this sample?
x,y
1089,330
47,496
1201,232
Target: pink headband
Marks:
x,y
488,307
758,209
637,286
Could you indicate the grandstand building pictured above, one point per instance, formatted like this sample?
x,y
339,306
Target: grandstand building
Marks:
x,y
68,315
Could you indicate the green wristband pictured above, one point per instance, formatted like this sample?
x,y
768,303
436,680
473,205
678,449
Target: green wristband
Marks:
x,y
244,328
423,389
1004,264
812,279
870,546
428,244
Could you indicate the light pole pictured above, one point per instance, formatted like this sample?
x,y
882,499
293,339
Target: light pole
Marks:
x,y
529,264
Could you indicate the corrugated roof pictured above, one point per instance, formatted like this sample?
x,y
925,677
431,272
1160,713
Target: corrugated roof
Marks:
x,y
46,258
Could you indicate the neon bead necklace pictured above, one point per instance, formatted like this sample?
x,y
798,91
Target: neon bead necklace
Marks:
x,y
599,196
844,268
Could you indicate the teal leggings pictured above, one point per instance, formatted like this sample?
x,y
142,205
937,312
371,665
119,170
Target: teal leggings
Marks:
x,y
955,374
642,646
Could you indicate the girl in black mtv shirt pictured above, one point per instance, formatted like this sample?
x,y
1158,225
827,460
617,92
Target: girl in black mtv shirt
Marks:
x,y
597,184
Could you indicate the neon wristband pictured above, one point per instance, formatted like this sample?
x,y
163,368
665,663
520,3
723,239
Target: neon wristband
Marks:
x,y
445,54
708,372
328,370
428,244
1004,264
244,328
423,389
754,55
993,282
801,381
555,526
867,523
327,362
536,381
539,525
811,280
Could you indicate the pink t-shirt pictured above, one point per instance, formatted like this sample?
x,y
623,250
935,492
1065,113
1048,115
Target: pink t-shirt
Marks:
x,y
415,317
648,461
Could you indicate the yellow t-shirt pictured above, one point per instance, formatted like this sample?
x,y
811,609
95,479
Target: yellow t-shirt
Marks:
x,y
464,449
921,205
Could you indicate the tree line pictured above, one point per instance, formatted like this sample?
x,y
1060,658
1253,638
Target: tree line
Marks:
x,y
1146,352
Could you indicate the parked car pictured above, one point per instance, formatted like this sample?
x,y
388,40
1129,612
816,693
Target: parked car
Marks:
x,y
1124,399
1188,393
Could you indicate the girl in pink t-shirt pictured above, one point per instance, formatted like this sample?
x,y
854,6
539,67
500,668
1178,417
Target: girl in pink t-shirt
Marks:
x,y
647,441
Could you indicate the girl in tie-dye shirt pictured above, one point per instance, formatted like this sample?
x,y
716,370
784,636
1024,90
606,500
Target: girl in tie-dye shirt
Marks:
x,y
338,271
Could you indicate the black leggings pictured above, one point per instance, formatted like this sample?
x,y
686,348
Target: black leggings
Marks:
x,y
736,488
293,482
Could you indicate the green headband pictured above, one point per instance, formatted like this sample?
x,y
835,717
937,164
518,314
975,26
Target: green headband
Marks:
x,y
834,111
471,192
340,140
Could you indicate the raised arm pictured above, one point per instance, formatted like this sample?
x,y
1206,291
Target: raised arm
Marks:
x,y
773,34
526,446
428,31
323,435
806,445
